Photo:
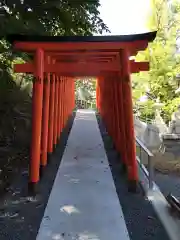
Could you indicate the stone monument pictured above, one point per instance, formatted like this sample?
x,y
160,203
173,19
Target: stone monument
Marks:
x,y
174,125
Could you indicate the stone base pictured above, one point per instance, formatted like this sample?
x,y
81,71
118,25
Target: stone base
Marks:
x,y
32,188
42,170
123,168
171,136
132,186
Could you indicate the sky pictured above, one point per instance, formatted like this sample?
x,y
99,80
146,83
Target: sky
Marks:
x,y
125,16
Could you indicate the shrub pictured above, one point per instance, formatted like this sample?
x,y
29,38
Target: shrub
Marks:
x,y
169,108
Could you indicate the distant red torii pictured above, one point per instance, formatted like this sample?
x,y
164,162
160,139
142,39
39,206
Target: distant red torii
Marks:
x,y
56,63
82,68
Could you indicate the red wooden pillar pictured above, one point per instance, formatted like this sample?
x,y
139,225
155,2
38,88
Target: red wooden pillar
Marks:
x,y
106,110
67,98
37,101
103,99
67,102
116,104
58,111
51,114
59,108
73,94
122,124
121,140
69,95
100,93
97,94
55,112
105,103
116,114
110,107
64,101
129,120
45,120
103,96
66,87
108,113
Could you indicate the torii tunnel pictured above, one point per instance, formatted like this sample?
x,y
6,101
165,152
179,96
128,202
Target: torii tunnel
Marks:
x,y
57,62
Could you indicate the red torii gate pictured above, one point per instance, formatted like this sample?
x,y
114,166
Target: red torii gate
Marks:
x,y
57,61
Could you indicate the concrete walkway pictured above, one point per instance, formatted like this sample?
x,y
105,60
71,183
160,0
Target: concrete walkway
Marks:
x,y
83,203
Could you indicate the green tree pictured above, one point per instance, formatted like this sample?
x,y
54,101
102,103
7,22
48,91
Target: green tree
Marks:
x,y
86,90
163,52
51,17
44,17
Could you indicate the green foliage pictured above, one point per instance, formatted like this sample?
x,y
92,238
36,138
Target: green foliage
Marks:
x,y
85,90
52,17
139,85
146,110
162,54
44,17
169,108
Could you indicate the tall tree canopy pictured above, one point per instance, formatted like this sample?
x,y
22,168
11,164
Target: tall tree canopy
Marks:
x,y
163,53
44,17
51,17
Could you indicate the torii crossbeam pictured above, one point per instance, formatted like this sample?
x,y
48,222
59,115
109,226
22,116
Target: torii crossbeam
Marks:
x,y
57,61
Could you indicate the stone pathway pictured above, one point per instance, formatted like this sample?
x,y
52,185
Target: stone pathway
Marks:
x,y
83,203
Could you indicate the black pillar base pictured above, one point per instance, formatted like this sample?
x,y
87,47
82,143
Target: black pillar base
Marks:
x,y
54,147
132,186
41,171
49,158
32,188
123,168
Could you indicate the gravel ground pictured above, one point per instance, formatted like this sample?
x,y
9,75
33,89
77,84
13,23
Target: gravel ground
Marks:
x,y
141,219
20,216
170,182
